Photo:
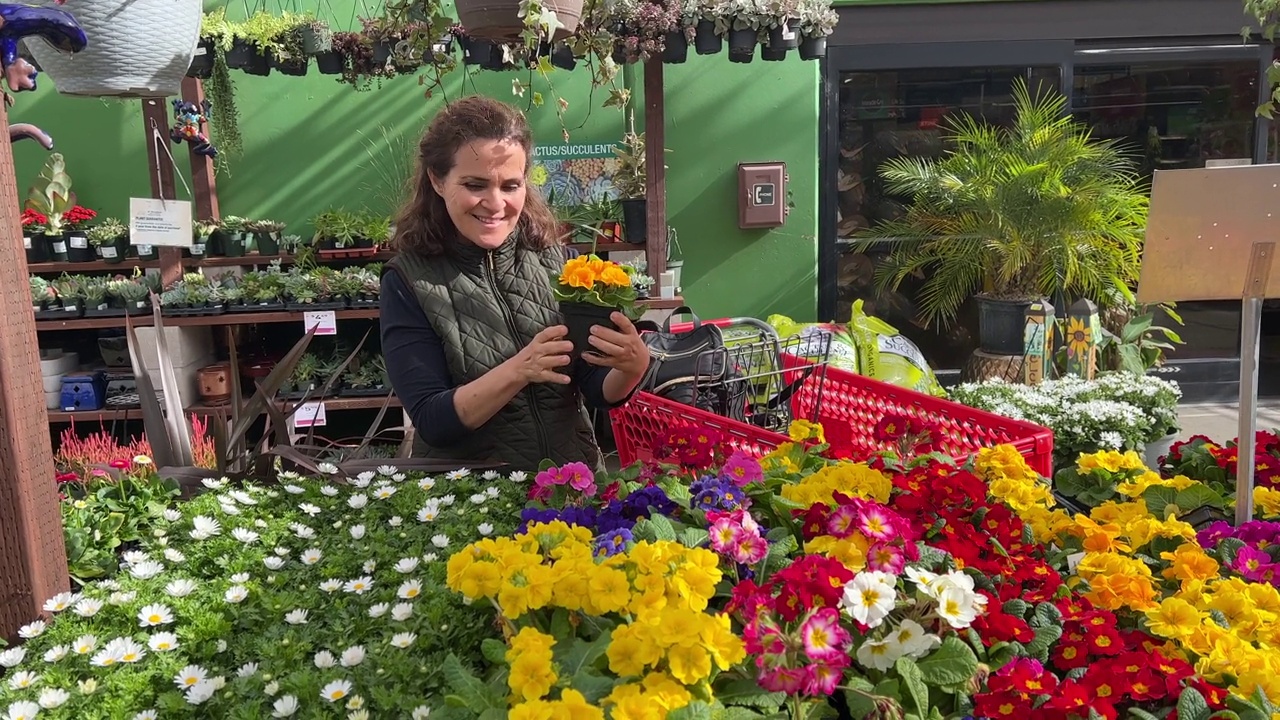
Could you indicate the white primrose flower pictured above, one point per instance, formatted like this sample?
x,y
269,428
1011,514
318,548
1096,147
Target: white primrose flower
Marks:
x,y
284,706
353,656
878,654
914,640
154,614
32,629
336,690
869,597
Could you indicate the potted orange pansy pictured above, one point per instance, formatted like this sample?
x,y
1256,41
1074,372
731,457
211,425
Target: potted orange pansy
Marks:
x,y
589,290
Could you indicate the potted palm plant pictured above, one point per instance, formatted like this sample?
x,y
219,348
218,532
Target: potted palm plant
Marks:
x,y
1014,214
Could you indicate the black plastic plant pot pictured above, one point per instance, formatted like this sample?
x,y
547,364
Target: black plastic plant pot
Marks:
x,y
330,63
363,242
37,249
78,248
57,245
267,243
326,243
705,39
562,57
216,244
259,63
634,220
114,252
578,318
773,54
202,62
813,48
382,52
742,45
234,245
147,252
295,67
240,55
675,48
785,36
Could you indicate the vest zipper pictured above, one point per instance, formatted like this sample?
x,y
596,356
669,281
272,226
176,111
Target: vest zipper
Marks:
x,y
544,444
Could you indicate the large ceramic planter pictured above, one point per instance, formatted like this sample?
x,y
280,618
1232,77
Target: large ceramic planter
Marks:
x,y
1157,449
137,48
1001,325
499,19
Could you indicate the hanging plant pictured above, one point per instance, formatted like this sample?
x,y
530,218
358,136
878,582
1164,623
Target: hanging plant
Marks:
x,y
1267,13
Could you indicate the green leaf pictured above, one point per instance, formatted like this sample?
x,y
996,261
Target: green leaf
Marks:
x,y
1140,714
1046,614
495,651
1246,709
1228,548
1046,636
466,689
1192,705
746,691
952,663
1136,327
913,679
592,686
693,537
696,710
663,528
1159,499
582,654
1198,496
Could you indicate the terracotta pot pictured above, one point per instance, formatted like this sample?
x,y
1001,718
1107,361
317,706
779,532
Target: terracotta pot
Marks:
x,y
215,383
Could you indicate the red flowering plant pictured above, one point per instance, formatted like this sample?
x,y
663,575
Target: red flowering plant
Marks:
x,y
78,217
34,222
1214,464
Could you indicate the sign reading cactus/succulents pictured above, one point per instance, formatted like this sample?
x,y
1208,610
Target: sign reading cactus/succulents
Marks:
x,y
577,173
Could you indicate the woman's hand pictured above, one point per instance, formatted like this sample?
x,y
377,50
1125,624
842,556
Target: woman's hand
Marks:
x,y
622,349
540,360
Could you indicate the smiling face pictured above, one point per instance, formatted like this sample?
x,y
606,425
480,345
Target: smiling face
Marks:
x,y
485,191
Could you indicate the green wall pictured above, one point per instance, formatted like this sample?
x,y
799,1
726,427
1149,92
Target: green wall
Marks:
x,y
312,143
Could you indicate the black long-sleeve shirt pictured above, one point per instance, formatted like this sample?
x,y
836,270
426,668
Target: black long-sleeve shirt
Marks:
x,y
419,372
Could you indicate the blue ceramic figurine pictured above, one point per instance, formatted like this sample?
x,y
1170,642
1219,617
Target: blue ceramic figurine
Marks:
x,y
53,25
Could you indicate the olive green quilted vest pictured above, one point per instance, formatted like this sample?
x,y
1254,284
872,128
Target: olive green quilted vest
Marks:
x,y
486,306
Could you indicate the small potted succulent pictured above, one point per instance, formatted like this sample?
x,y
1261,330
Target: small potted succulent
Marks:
x,y
93,290
44,300
783,29
203,231
51,197
366,376
110,239
70,292
229,238
132,296
266,235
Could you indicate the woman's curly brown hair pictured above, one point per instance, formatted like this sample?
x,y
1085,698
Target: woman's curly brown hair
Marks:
x,y
423,224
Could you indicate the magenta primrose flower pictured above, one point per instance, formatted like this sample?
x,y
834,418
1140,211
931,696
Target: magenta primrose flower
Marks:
x,y
742,469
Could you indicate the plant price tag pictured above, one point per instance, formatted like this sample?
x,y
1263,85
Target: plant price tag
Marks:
x,y
309,414
324,321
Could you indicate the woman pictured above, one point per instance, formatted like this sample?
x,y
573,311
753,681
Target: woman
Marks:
x,y
471,332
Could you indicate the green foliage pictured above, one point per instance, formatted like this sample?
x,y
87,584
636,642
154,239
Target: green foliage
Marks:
x,y
1018,213
51,195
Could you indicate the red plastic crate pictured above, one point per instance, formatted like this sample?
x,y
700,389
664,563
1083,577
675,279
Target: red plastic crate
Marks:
x,y
851,406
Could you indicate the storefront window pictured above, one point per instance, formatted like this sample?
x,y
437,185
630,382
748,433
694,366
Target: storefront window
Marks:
x,y
888,114
1178,115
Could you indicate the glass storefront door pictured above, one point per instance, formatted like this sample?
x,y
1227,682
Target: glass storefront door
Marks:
x,y
885,114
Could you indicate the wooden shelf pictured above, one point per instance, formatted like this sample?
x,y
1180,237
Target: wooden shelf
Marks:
x,y
255,259
105,415
199,320
608,247
331,404
124,267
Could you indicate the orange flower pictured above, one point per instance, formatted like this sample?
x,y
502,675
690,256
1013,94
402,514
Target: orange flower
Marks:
x,y
615,276
579,277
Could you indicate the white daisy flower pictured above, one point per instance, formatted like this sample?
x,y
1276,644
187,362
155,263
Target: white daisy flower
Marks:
x,y
357,714
296,616
23,679
399,477
180,588
122,598
490,475
236,594
146,569
271,688
133,557
84,644
378,610
12,657
205,525
174,556
335,690
311,556
272,562
395,521
199,693
212,484
457,474
324,660
242,497
404,566
357,531
189,676
51,698
357,501
154,614
163,642
359,586
421,712
146,715
294,489
478,498
369,566
492,491
247,670
409,589
303,532
518,476
229,509
441,540
281,552
362,480
171,515
56,653
401,612
260,524
485,529
353,656
327,468
309,509
430,557
328,490
331,585
387,470
64,600
284,706
32,629
403,640
428,513
22,710
447,499
240,577
384,492
245,535
427,483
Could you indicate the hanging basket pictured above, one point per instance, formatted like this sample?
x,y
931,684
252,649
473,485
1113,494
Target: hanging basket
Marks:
x,y
137,48
499,20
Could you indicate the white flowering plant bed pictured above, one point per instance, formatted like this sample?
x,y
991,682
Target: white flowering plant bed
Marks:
x,y
313,598
1115,411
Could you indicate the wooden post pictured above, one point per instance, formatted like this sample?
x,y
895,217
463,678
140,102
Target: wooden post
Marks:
x,y
204,188
33,558
655,163
1082,339
155,125
1037,342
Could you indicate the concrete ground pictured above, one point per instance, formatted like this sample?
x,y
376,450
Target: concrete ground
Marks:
x,y
1219,421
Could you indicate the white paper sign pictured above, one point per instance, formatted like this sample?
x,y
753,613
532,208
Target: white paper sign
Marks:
x,y
160,222
79,242
108,251
324,321
26,242
309,414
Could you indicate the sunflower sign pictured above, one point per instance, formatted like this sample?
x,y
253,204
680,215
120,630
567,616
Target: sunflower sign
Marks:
x,y
577,173
1083,330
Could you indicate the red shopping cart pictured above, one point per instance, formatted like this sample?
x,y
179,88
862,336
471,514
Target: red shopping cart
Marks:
x,y
800,385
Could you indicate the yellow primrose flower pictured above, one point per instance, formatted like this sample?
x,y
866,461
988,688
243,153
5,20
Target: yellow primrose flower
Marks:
x,y
1174,618
1189,562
